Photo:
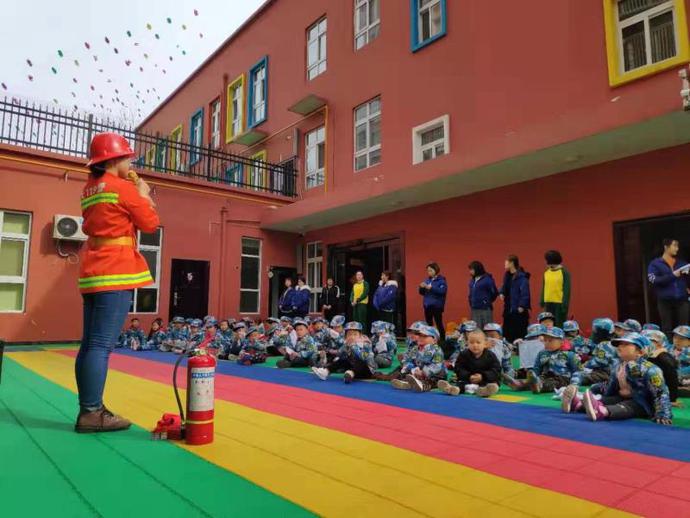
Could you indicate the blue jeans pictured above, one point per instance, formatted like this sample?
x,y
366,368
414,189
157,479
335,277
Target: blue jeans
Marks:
x,y
104,315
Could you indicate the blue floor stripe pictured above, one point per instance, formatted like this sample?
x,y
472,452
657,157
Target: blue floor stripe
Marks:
x,y
633,435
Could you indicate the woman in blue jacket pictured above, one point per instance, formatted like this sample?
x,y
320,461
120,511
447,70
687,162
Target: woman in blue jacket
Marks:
x,y
287,299
482,294
385,297
300,304
434,290
516,299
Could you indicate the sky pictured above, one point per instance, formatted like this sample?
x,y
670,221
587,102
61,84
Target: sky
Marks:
x,y
129,75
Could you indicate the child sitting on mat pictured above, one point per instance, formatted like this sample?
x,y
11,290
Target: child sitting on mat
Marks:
x,y
636,388
598,368
155,338
659,356
581,345
458,340
476,367
553,368
253,348
304,353
133,337
225,336
355,357
383,343
681,352
426,367
501,347
212,339
176,336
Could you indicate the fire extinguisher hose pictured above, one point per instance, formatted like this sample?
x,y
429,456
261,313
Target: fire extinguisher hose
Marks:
x,y
177,394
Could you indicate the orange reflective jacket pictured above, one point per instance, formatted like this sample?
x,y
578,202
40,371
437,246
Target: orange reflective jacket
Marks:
x,y
113,208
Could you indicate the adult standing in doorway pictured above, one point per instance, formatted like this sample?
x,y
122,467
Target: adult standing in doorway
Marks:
x,y
555,292
330,299
385,298
359,299
668,276
115,204
482,294
434,290
287,300
300,305
515,294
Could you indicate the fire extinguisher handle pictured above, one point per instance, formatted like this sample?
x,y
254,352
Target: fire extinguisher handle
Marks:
x,y
177,393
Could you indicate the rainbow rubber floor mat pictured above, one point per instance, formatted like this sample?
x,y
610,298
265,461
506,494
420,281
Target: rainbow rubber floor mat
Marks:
x,y
288,444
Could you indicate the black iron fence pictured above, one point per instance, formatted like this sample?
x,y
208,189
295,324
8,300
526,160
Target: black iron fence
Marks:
x,y
53,129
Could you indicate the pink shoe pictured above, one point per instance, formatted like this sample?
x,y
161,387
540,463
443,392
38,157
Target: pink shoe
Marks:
x,y
571,400
595,409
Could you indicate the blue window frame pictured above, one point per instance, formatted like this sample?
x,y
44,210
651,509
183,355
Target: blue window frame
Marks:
x,y
428,19
234,173
196,135
257,100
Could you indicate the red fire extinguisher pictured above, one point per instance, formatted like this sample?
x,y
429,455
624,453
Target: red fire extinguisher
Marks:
x,y
201,369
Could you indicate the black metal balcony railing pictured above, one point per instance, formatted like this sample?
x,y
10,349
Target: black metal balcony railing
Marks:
x,y
69,133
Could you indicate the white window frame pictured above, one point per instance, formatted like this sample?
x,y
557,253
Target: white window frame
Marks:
x,y
26,239
259,95
314,142
368,119
157,281
258,289
644,17
420,29
318,67
417,147
215,124
365,31
316,287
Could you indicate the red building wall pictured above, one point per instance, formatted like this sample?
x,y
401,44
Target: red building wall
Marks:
x,y
573,212
46,184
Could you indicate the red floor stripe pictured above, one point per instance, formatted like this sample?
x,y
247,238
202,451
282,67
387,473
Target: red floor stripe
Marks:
x,y
611,477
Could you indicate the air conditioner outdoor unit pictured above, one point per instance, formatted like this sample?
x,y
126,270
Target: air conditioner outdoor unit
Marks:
x,y
68,228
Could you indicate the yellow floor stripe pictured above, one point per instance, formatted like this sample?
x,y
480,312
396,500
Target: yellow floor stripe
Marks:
x,y
329,472
507,398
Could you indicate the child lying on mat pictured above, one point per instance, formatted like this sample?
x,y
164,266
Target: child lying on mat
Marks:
x,y
477,369
636,388
426,367
355,358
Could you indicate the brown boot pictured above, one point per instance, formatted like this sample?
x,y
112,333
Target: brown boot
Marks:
x,y
102,420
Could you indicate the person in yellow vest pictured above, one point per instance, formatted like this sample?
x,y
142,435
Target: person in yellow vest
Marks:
x,y
359,299
555,293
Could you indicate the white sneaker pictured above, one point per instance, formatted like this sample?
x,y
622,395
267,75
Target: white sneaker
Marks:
x,y
415,384
400,384
321,372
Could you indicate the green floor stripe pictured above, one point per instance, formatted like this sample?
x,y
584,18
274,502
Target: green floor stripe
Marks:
x,y
46,467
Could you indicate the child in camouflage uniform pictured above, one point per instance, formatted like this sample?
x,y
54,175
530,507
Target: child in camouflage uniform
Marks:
x,y
355,357
304,353
253,349
501,347
426,366
383,343
553,368
176,336
457,340
155,338
405,357
225,336
581,345
636,388
662,358
598,368
133,337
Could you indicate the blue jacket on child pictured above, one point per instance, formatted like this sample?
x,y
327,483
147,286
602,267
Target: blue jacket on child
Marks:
x,y
435,298
385,295
483,292
667,285
648,387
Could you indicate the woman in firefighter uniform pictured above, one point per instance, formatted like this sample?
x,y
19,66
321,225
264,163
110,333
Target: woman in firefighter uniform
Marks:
x,y
115,203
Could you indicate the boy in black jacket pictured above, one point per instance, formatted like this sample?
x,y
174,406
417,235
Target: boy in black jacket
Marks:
x,y
659,356
476,365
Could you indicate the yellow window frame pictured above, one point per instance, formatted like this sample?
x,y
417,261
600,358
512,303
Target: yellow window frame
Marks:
x,y
239,82
614,51
175,136
260,155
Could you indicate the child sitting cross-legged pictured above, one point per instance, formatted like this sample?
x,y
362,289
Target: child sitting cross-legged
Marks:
x,y
253,348
383,343
425,367
476,366
355,357
636,388
155,338
133,337
553,367
304,353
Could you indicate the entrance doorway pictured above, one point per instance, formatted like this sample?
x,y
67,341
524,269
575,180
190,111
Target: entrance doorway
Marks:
x,y
372,256
189,288
277,284
636,243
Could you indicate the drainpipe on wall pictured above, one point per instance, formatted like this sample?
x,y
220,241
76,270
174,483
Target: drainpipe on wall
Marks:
x,y
221,265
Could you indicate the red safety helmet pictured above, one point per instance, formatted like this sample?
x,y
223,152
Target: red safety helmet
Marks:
x,y
106,146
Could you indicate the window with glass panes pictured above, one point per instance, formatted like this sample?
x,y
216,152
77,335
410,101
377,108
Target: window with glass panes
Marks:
x,y
367,21
314,270
257,171
314,157
250,281
215,123
145,299
196,135
175,149
235,109
316,49
15,234
646,32
430,140
428,22
367,134
258,92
